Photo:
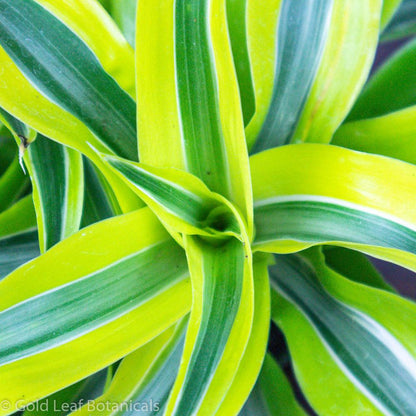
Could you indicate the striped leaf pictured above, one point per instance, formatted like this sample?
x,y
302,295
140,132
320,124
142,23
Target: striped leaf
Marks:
x,y
124,268
38,112
58,198
365,339
360,205
95,27
335,41
180,200
403,23
219,326
18,236
15,126
145,377
272,395
237,26
75,81
190,105
254,353
302,32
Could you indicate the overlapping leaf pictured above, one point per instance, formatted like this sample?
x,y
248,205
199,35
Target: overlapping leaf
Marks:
x,y
189,107
144,378
383,118
273,394
359,204
403,23
76,91
18,236
322,54
356,330
116,281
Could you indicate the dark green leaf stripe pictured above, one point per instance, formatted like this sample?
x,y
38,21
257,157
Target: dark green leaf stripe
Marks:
x,y
403,23
302,31
47,156
98,200
175,199
15,125
157,385
223,269
190,207
236,17
61,66
90,302
370,356
16,250
198,99
327,219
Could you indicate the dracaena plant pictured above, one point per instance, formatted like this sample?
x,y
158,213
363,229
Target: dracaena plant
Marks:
x,y
200,169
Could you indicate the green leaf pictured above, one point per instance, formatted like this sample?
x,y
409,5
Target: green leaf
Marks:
x,y
254,353
58,198
261,27
145,377
344,68
42,115
65,401
99,199
19,217
237,27
7,148
386,106
14,125
181,200
97,29
300,40
389,10
124,14
190,106
403,23
390,88
75,81
18,236
363,204
110,291
272,395
13,183
355,266
124,268
367,343
219,326
380,135
336,41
